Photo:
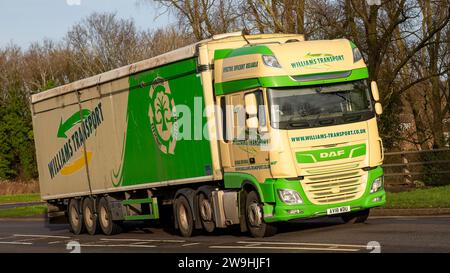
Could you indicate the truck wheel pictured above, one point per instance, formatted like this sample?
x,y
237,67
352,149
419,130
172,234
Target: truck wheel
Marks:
x,y
184,216
109,227
254,216
75,217
356,217
206,213
90,216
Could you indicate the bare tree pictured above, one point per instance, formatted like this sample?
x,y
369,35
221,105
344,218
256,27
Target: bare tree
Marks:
x,y
203,18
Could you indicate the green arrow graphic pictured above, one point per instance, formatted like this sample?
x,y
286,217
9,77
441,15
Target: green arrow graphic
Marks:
x,y
70,122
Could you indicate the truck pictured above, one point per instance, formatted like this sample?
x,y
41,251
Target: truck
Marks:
x,y
238,129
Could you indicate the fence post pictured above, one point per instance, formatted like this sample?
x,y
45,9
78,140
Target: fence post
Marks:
x,y
407,177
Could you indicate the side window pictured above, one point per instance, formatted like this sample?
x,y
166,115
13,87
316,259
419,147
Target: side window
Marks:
x,y
260,107
223,107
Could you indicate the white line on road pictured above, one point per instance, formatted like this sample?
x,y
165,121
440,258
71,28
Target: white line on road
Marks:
x,y
41,236
144,240
16,243
302,244
191,244
6,237
56,242
286,248
139,243
141,246
31,239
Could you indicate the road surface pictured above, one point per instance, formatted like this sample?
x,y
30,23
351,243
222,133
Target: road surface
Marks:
x,y
384,234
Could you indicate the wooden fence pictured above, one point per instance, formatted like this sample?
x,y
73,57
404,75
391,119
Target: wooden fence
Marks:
x,y
405,167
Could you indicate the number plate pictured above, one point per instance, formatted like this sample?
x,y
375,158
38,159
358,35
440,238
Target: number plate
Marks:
x,y
338,210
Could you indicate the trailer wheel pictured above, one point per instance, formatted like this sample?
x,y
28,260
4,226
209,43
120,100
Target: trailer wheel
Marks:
x,y
90,216
206,213
109,227
254,217
75,217
184,216
356,217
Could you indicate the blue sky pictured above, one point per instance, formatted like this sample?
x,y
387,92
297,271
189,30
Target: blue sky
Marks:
x,y
25,21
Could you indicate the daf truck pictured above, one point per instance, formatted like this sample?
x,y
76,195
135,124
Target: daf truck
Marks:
x,y
247,130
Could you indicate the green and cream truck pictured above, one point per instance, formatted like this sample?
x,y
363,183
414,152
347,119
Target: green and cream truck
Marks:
x,y
248,130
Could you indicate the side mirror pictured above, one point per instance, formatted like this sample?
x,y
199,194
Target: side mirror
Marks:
x,y
252,123
375,93
376,97
378,108
251,105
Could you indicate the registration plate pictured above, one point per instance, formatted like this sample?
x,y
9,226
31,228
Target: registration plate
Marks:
x,y
338,210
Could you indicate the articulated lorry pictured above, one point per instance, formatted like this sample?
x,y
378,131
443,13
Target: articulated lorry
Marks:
x,y
246,130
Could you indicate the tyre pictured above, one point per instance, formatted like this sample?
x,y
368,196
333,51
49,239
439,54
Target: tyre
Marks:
x,y
184,216
206,213
75,217
108,226
254,217
90,217
356,217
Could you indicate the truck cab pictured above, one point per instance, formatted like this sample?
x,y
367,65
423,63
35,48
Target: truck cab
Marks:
x,y
299,124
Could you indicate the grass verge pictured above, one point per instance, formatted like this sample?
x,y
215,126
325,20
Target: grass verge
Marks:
x,y
20,198
23,211
438,197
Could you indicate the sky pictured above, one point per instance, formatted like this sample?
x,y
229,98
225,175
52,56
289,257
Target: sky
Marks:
x,y
25,21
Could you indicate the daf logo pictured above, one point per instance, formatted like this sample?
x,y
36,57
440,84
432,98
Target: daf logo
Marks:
x,y
332,154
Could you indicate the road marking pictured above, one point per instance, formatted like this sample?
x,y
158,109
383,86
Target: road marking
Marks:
x,y
142,246
140,243
41,236
56,242
32,239
144,240
302,244
16,243
286,248
6,237
191,244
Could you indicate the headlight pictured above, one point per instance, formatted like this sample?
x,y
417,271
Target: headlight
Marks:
x,y
290,196
377,184
271,61
356,55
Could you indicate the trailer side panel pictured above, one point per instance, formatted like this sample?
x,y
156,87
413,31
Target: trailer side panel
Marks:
x,y
137,131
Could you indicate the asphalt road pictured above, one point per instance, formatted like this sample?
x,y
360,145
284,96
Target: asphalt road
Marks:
x,y
384,234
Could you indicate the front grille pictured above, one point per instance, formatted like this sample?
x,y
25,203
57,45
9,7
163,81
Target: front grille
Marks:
x,y
334,188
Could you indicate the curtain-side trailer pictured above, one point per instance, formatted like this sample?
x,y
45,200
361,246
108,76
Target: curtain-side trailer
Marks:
x,y
245,130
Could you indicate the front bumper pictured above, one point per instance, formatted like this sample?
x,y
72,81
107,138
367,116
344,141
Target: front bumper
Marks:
x,y
280,211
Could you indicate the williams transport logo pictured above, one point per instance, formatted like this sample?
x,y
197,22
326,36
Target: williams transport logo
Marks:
x,y
88,122
163,116
320,58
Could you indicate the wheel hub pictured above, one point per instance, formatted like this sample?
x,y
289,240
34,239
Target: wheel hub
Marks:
x,y
89,217
74,215
183,217
205,210
254,215
104,217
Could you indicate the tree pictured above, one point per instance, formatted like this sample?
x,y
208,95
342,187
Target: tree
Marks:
x,y
203,18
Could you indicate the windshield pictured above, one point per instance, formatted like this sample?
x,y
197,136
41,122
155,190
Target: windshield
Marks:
x,y
320,105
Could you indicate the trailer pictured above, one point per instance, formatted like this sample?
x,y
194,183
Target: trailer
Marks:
x,y
246,130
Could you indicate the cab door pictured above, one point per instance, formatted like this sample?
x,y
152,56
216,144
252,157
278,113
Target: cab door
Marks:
x,y
238,132
233,146
257,139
